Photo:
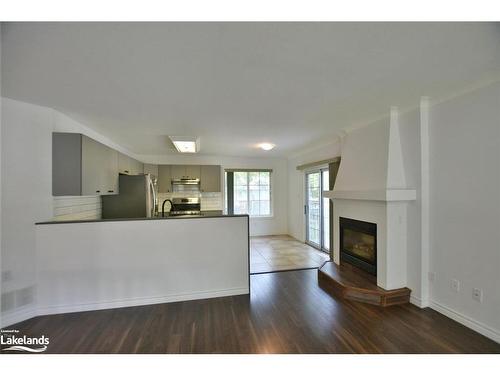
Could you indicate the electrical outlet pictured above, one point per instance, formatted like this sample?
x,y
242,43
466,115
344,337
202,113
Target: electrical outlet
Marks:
x,y
455,285
431,276
477,294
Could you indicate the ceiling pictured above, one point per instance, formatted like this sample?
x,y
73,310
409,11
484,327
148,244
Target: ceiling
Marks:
x,y
238,84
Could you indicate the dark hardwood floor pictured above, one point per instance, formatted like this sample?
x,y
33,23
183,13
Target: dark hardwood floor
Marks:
x,y
286,312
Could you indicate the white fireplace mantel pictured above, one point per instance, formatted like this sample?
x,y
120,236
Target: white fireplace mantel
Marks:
x,y
386,195
390,218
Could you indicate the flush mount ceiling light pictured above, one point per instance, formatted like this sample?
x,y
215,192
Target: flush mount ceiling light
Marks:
x,y
186,144
266,146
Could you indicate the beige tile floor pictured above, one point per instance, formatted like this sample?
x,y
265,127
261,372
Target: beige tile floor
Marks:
x,y
279,253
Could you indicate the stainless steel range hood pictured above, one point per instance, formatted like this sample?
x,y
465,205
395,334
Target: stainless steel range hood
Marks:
x,y
186,181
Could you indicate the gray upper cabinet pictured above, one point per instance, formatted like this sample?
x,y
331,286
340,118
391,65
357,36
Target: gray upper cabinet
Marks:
x,y
164,179
92,155
193,171
110,177
151,169
66,164
177,172
99,168
136,166
82,166
210,178
185,171
128,165
123,164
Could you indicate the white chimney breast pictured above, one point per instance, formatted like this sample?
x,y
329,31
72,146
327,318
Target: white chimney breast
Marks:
x,y
371,186
364,158
395,170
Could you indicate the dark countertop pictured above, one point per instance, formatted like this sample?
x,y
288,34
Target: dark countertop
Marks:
x,y
204,214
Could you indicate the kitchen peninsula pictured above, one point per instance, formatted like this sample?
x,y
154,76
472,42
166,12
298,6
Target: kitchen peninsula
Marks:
x,y
101,264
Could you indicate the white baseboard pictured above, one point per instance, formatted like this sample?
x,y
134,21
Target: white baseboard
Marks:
x,y
466,321
17,315
417,301
71,308
270,234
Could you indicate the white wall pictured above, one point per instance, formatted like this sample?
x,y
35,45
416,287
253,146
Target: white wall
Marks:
x,y
409,131
26,198
465,206
99,265
277,223
296,184
1,278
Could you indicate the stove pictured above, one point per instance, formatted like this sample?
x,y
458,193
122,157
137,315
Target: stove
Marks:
x,y
185,206
183,213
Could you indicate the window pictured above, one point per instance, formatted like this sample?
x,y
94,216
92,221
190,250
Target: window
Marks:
x,y
250,193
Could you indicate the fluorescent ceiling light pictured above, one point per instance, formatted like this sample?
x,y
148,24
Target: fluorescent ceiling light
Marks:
x,y
266,146
186,144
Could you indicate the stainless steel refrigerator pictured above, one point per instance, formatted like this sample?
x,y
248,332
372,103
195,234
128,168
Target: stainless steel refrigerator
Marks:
x,y
136,198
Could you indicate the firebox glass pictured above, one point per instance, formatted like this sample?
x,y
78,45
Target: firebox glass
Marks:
x,y
359,244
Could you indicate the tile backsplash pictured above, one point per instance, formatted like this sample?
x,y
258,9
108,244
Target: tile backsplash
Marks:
x,y
89,207
77,208
209,201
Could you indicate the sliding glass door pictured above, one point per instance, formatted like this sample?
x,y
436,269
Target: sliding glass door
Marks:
x,y
325,209
317,210
313,208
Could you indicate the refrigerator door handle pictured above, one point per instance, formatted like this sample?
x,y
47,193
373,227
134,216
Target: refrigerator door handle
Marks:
x,y
153,196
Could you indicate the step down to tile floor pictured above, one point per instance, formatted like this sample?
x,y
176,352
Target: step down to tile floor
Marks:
x,y
349,282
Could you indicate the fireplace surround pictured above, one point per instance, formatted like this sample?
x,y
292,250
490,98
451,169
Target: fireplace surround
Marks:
x,y
358,244
371,186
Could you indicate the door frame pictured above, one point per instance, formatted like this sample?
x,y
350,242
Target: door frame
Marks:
x,y
321,246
